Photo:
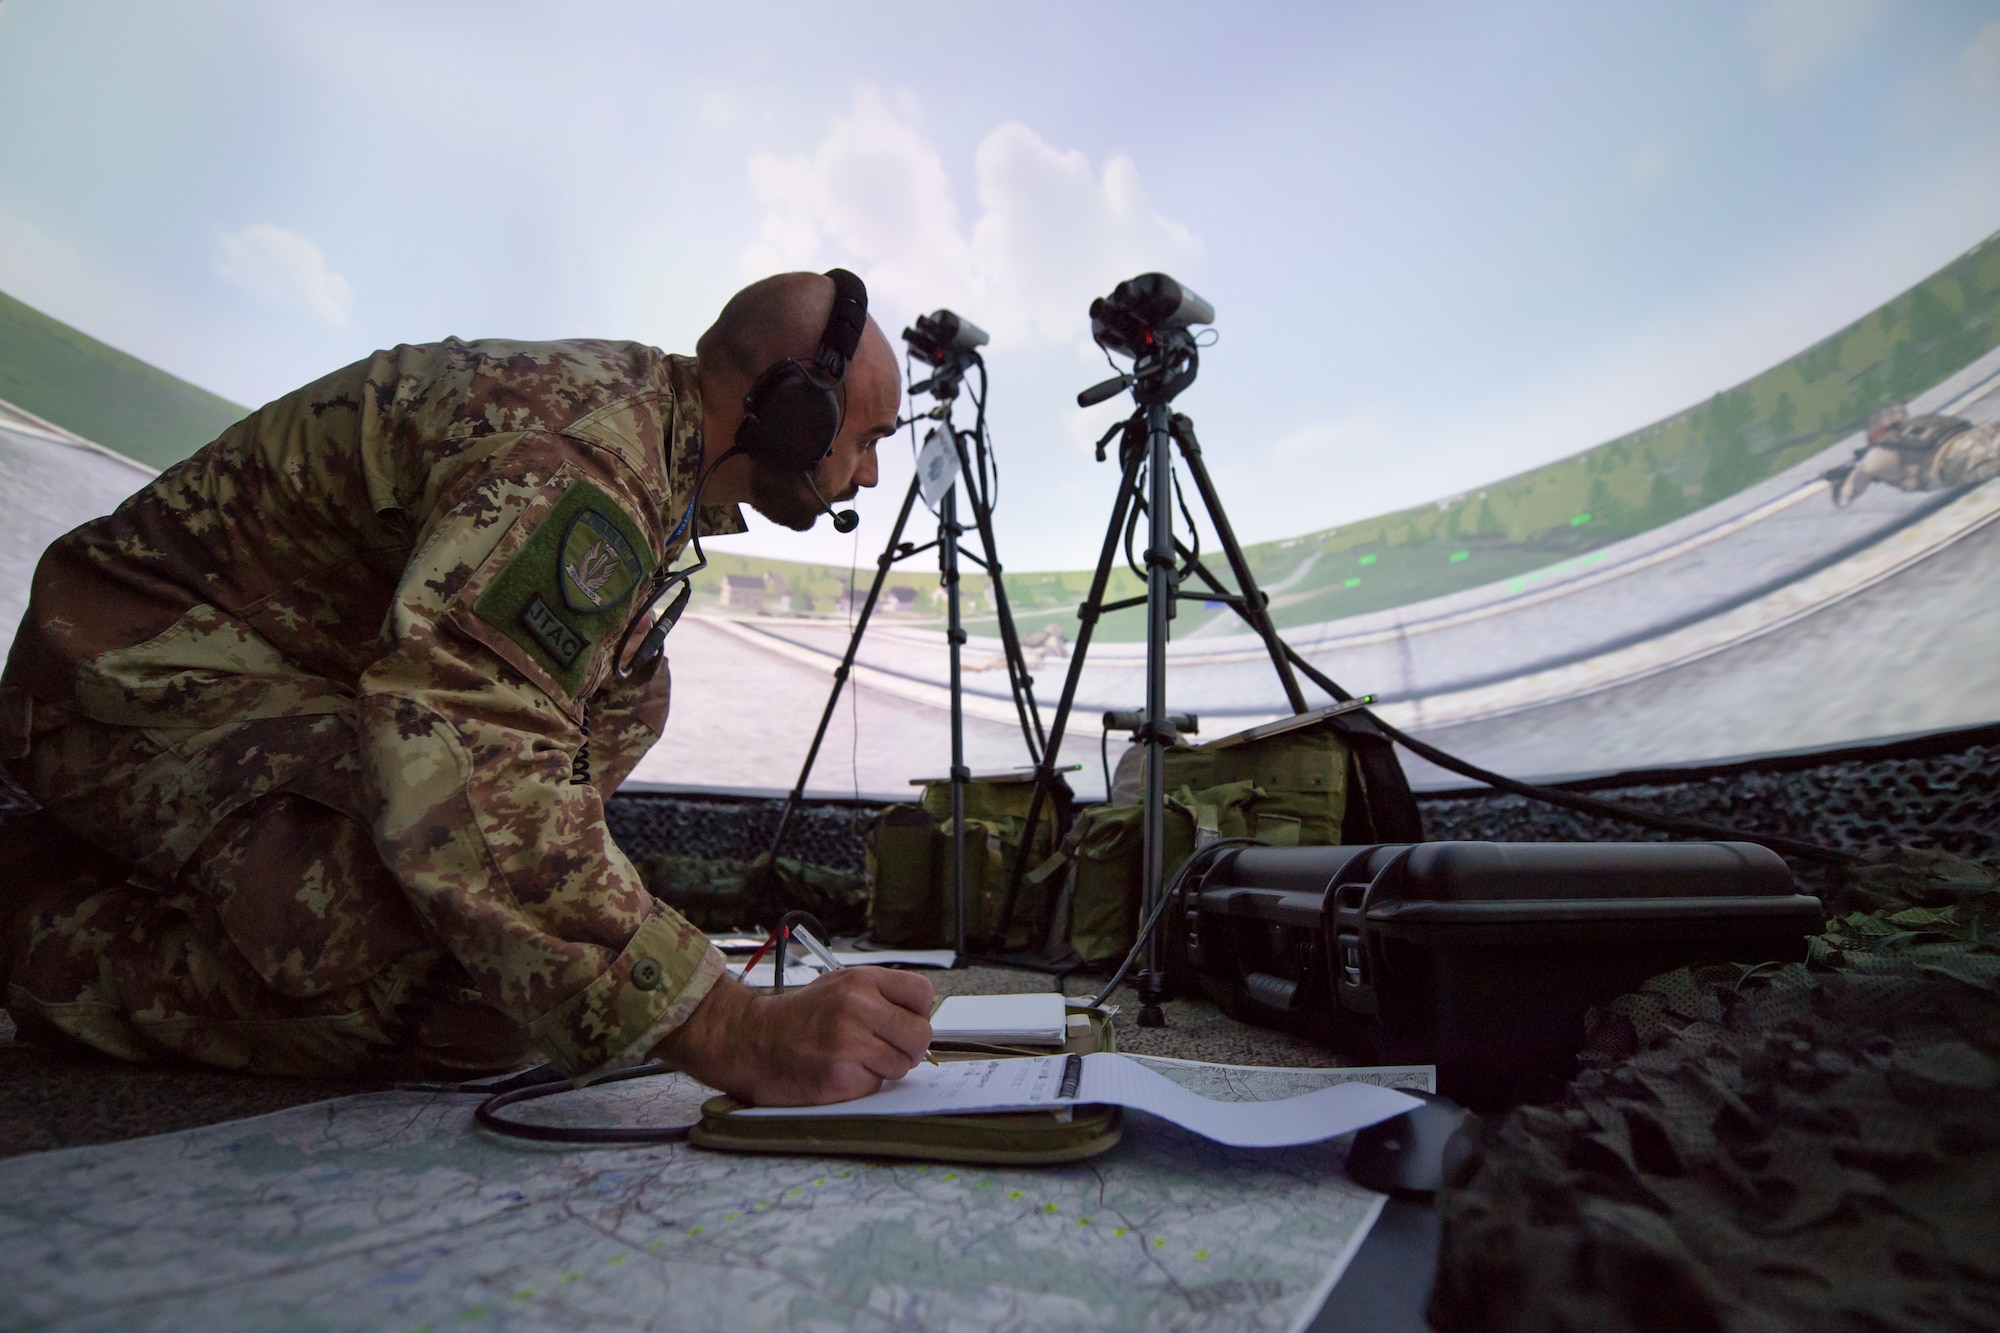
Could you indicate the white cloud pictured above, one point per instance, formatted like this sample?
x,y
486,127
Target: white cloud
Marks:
x,y
1051,233
1798,38
1982,60
273,264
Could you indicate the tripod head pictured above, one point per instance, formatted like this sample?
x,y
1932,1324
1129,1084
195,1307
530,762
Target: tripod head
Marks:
x,y
948,344
1149,318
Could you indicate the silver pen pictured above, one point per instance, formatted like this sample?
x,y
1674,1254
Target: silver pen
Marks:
x,y
816,949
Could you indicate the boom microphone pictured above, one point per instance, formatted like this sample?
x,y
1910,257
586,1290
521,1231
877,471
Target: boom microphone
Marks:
x,y
844,520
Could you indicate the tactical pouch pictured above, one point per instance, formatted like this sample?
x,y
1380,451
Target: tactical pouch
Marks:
x,y
1288,785
912,903
905,898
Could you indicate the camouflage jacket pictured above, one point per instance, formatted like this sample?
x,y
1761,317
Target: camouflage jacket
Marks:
x,y
444,544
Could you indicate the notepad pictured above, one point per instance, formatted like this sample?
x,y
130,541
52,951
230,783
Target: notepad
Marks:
x,y
1036,1083
1009,1020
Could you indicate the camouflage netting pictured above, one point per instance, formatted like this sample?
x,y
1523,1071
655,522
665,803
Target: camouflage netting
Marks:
x,y
721,894
1811,1145
826,833
1948,801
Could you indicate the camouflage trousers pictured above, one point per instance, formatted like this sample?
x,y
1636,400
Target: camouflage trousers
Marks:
x,y
279,944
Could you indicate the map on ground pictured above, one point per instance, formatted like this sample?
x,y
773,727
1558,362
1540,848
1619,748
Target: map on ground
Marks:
x,y
391,1211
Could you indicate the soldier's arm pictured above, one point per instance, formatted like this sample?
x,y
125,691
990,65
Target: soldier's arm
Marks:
x,y
626,720
470,724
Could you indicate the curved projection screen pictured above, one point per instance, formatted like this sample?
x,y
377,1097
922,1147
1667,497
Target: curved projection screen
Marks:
x,y
1802,562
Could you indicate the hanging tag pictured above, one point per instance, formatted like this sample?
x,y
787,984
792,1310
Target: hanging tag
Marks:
x,y
937,465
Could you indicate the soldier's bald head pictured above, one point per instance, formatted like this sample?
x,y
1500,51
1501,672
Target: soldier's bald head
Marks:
x,y
776,319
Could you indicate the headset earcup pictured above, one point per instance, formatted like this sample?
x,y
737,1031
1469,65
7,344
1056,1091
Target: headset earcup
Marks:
x,y
790,418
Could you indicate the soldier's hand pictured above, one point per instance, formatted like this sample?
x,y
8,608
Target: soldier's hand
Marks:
x,y
834,1040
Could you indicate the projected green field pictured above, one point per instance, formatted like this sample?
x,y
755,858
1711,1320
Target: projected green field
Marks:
x,y
102,394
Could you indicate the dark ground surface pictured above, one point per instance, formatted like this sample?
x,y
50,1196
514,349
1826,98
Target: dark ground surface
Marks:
x,y
1945,796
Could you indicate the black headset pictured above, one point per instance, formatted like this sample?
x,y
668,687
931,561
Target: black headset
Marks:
x,y
793,412
790,419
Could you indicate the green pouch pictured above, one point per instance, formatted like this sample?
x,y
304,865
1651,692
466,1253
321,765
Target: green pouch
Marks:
x,y
905,894
1301,781
1103,891
913,900
1104,882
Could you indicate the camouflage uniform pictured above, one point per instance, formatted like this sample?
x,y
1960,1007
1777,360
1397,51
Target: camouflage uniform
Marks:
x,y
320,692
1932,452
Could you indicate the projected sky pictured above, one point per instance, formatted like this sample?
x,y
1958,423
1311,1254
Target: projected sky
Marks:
x,y
1443,247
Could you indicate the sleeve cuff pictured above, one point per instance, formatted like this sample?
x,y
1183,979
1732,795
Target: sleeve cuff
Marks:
x,y
665,970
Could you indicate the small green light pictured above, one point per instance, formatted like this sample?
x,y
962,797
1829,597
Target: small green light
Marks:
x,y
1351,583
1579,520
1457,556
1367,560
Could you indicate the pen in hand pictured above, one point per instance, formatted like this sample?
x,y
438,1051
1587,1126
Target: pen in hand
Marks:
x,y
825,955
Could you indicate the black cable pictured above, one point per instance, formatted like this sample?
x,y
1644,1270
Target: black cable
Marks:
x,y
654,643
1589,805
989,461
488,1115
785,924
1192,550
1172,892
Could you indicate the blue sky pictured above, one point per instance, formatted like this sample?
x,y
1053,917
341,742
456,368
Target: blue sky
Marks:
x,y
1445,243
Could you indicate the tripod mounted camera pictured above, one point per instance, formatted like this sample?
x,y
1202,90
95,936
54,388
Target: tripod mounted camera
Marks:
x,y
1152,319
955,459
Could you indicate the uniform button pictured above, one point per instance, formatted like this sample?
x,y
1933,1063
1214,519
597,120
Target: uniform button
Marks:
x,y
647,974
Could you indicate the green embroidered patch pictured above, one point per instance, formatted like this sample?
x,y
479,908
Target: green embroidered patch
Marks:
x,y
570,584
599,566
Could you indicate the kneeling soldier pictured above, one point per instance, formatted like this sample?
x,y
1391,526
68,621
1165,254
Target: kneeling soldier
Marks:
x,y
308,716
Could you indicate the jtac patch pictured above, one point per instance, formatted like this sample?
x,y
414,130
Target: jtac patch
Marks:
x,y
570,585
599,566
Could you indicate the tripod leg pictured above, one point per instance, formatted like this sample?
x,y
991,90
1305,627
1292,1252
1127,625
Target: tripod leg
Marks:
x,y
1086,615
1256,606
948,535
1157,734
1019,681
882,564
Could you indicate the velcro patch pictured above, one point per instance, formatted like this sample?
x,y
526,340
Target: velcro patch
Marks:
x,y
564,644
571,583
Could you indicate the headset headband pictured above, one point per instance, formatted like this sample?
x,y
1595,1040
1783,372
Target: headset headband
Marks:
x,y
844,323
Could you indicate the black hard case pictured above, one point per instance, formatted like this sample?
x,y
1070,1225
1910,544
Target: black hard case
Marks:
x,y
1479,957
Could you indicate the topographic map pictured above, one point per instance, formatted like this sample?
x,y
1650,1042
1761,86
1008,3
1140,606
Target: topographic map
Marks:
x,y
390,1211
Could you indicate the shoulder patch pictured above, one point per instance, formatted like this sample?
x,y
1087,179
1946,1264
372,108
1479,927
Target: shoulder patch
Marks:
x,y
570,584
599,564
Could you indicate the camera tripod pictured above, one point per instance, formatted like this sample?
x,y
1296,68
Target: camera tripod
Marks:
x,y
1149,319
1165,364
947,344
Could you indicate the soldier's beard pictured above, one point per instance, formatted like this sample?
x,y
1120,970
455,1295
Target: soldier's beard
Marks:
x,y
784,498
